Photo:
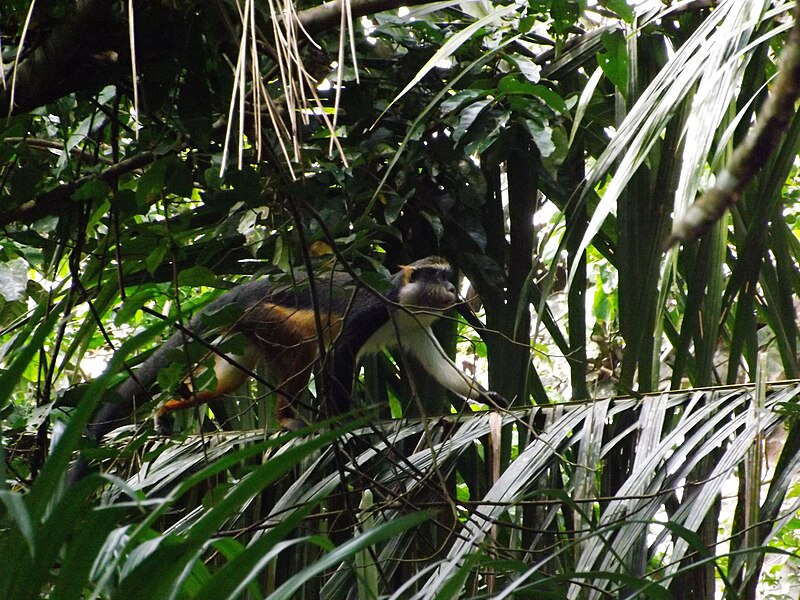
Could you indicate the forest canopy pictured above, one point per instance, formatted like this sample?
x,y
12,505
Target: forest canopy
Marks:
x,y
154,154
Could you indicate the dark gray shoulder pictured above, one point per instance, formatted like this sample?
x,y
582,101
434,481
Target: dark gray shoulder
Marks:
x,y
245,295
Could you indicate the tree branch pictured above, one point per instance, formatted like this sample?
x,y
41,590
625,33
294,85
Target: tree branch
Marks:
x,y
65,61
328,15
87,50
56,200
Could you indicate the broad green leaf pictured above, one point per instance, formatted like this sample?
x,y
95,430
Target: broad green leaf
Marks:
x,y
344,552
614,61
621,8
453,43
16,513
467,117
529,69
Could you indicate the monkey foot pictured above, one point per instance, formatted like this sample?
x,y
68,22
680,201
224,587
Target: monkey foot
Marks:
x,y
291,424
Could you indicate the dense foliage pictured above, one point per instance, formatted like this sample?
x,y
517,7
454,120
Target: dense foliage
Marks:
x,y
155,153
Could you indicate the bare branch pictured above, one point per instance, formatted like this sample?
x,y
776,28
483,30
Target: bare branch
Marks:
x,y
71,55
55,201
329,14
86,50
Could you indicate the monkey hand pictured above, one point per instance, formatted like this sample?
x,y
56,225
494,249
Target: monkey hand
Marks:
x,y
164,424
78,470
495,400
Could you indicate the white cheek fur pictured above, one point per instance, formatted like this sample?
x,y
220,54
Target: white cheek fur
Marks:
x,y
409,294
414,294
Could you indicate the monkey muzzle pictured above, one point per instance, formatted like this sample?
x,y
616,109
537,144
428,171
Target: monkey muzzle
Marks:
x,y
440,297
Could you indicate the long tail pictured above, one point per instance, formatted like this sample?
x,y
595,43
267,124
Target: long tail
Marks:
x,y
135,391
132,393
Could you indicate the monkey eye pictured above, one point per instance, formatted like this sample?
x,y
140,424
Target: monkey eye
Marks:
x,y
446,274
433,274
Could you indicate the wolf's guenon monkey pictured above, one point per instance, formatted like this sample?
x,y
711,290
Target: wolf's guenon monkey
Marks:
x,y
288,327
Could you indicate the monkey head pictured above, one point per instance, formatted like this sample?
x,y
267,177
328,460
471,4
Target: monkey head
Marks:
x,y
426,284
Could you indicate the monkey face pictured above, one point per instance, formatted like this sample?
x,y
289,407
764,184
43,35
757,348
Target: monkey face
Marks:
x,y
427,284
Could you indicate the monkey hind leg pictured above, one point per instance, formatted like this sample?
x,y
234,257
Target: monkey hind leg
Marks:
x,y
287,397
229,377
292,371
